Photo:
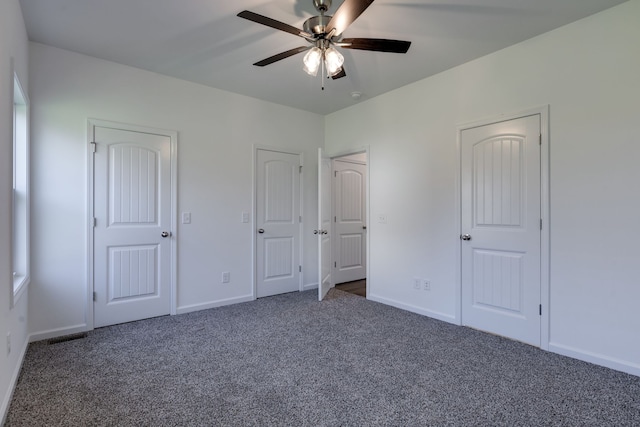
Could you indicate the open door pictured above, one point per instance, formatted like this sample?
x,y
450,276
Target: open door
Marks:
x,y
324,224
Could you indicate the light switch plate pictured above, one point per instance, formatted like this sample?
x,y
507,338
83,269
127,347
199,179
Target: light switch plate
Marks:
x,y
186,217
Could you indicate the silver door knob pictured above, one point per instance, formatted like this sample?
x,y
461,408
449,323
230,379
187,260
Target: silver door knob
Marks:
x,y
315,231
465,237
165,234
324,232
261,230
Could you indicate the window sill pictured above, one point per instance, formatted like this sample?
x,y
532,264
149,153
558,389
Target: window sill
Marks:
x,y
20,284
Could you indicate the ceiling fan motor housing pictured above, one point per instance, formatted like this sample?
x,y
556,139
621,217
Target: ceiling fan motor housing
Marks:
x,y
316,24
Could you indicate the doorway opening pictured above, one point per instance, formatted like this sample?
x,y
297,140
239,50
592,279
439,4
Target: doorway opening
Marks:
x,y
349,225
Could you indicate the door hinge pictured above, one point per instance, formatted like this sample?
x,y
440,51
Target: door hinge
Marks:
x,y
95,296
540,309
300,268
300,169
335,174
335,264
95,221
540,223
300,218
94,147
335,219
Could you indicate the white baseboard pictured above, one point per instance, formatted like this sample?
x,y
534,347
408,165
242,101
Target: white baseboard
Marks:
x,y
213,304
6,402
59,332
309,286
412,308
596,359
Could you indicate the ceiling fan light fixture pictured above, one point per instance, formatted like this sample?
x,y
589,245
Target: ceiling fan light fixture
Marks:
x,y
312,61
333,60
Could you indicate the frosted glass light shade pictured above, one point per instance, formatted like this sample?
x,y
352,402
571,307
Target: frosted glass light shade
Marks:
x,y
333,60
312,61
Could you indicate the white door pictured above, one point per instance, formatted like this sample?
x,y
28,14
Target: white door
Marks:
x,y
324,225
350,233
501,228
277,223
132,209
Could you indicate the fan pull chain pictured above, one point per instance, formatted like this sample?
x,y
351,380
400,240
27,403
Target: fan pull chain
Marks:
x,y
322,62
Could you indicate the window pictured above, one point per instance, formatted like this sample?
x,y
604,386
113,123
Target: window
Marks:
x,y
20,229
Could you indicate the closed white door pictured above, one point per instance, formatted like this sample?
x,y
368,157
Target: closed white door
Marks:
x,y
350,232
501,235
132,234
324,225
277,222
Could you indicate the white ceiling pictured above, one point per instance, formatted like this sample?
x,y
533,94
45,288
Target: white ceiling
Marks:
x,y
205,42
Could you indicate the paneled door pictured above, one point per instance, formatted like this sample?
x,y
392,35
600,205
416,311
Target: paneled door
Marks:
x,y
501,237
350,231
132,232
324,225
277,222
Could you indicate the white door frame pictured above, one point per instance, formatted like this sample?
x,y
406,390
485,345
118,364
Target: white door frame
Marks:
x,y
173,277
543,111
365,149
254,210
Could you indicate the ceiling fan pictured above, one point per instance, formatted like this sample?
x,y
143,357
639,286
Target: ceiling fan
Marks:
x,y
324,34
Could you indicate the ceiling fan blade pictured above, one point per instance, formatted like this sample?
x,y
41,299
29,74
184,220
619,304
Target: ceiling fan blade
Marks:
x,y
378,45
346,14
260,19
280,56
340,75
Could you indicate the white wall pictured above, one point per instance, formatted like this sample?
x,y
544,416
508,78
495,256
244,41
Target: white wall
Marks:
x,y
588,72
217,131
13,44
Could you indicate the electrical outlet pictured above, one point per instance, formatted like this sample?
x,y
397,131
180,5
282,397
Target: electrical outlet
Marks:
x,y
382,218
426,285
8,343
226,277
245,217
416,283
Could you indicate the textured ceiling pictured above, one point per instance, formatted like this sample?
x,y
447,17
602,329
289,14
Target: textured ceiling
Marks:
x,y
205,42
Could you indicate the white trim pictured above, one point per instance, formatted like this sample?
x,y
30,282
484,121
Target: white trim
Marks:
x,y
20,284
254,209
58,332
309,286
220,303
412,308
596,358
545,212
173,136
6,402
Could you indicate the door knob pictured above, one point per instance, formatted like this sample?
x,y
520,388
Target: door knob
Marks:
x,y
364,227
324,232
165,234
261,230
315,231
465,237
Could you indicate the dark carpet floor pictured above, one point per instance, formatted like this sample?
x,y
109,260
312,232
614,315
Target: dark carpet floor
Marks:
x,y
290,360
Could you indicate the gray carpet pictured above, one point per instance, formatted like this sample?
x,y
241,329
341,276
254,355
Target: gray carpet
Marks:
x,y
292,361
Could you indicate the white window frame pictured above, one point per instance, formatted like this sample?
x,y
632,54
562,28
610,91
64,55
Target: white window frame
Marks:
x,y
20,202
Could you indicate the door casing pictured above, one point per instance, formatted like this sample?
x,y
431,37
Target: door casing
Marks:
x,y
173,135
336,208
543,111
337,155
